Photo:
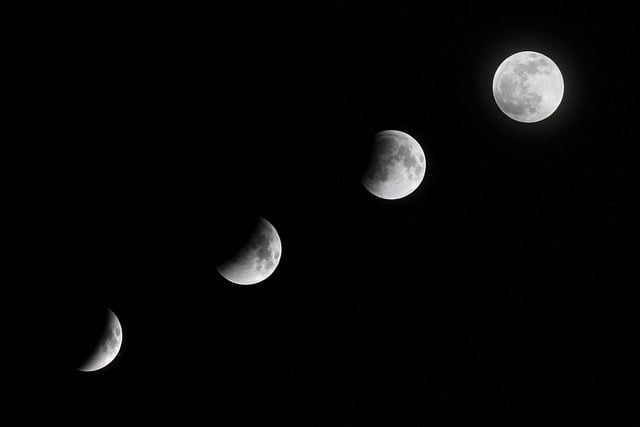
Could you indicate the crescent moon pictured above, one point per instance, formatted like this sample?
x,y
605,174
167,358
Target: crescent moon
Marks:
x,y
257,260
108,346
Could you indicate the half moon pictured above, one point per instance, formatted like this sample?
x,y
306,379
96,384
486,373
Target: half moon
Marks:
x,y
257,259
108,346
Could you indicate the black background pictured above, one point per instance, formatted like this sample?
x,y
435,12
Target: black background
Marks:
x,y
503,290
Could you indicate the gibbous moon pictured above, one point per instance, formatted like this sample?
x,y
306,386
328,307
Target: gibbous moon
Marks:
x,y
257,259
108,346
528,87
397,165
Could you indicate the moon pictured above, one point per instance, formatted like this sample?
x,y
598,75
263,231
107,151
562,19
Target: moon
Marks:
x,y
107,348
257,259
397,165
528,87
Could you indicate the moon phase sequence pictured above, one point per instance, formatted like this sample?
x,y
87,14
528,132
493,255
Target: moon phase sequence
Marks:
x,y
257,259
397,165
528,87
108,346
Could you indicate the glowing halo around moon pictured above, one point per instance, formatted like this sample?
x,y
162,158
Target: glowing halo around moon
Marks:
x,y
528,87
257,259
107,348
397,166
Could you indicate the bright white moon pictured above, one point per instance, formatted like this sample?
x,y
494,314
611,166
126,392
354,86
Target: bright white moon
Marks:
x,y
257,260
108,346
397,166
528,87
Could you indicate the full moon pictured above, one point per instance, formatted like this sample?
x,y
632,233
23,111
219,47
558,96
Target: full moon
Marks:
x,y
107,348
397,165
528,87
257,259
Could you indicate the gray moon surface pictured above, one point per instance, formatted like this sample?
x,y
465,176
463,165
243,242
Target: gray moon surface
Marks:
x,y
257,259
397,165
108,347
528,87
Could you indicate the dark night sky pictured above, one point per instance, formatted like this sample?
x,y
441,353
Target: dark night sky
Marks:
x,y
502,291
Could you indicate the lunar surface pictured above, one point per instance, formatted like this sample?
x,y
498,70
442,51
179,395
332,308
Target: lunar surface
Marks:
x,y
257,260
528,87
397,165
108,346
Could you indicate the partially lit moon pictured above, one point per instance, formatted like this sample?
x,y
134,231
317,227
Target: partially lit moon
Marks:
x,y
257,259
528,87
107,348
397,165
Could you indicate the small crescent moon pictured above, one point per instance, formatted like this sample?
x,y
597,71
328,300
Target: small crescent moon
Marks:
x,y
107,348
